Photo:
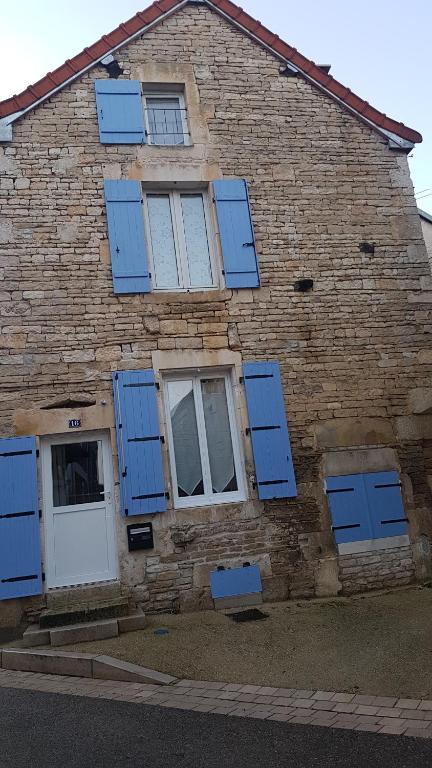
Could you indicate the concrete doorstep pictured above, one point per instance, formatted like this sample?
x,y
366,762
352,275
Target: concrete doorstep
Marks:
x,y
80,665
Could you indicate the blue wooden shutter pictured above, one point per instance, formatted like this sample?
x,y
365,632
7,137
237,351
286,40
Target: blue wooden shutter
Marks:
x,y
120,112
20,555
139,448
269,431
126,236
236,234
349,508
235,581
386,509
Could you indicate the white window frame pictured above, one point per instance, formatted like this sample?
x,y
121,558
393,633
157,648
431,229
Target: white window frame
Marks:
x,y
182,106
209,498
180,239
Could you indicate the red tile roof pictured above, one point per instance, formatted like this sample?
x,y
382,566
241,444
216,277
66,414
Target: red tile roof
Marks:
x,y
72,67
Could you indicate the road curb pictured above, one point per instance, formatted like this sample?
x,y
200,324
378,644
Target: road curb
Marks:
x,y
87,665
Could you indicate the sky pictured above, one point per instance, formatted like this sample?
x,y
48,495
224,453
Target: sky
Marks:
x,y
380,49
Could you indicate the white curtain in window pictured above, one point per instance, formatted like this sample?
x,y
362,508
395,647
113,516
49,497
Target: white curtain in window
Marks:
x,y
185,438
165,121
218,433
196,239
162,240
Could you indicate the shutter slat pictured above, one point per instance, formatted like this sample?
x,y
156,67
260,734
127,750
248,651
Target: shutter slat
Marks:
x,y
349,508
236,233
386,509
120,112
20,553
141,472
269,431
127,242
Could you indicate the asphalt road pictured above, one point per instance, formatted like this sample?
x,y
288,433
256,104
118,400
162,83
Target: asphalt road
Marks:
x,y
44,730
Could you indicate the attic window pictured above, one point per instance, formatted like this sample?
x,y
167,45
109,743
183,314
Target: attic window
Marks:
x,y
69,402
165,118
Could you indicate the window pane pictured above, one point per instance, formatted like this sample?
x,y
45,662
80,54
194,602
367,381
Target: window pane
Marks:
x,y
162,240
197,248
185,438
218,431
165,120
77,473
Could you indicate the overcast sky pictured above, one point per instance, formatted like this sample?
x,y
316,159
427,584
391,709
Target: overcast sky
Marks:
x,y
378,48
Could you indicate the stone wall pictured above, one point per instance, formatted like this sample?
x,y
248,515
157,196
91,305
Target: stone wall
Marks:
x,y
321,182
381,569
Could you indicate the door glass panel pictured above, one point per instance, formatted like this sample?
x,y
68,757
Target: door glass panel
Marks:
x,y
185,438
77,473
196,239
165,120
162,240
218,432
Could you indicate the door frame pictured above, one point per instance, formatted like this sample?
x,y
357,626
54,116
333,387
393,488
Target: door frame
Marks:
x,y
46,442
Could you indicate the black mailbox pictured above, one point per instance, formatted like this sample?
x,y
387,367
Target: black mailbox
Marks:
x,y
140,536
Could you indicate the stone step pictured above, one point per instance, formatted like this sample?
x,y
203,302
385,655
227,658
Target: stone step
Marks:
x,y
66,596
83,631
75,613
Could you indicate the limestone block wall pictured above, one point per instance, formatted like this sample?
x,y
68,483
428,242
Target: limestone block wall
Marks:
x,y
321,182
380,569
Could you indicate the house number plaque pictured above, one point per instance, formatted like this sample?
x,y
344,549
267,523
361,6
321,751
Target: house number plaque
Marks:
x,y
73,423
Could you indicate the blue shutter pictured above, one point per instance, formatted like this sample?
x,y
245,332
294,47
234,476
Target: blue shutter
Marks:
x,y
126,236
20,555
386,509
235,581
236,234
120,111
349,508
269,431
139,448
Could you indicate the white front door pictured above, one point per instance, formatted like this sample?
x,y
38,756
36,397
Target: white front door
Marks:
x,y
79,509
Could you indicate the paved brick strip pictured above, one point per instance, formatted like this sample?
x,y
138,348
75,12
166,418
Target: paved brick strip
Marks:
x,y
379,714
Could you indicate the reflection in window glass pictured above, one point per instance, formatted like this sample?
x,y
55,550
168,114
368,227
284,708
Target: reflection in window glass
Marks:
x,y
185,438
218,432
77,473
197,248
162,240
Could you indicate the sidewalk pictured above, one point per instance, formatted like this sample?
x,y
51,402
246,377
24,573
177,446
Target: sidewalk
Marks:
x,y
385,715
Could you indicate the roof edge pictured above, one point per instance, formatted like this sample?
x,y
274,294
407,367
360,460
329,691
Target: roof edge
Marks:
x,y
424,215
16,106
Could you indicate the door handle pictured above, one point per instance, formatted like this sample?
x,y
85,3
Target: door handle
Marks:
x,y
245,245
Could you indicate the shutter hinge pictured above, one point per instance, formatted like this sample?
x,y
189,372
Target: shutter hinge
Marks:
x,y
157,385
124,473
167,495
161,438
120,426
40,514
126,512
116,376
241,379
43,575
223,271
37,453
247,430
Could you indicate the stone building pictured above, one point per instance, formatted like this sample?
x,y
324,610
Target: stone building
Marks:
x,y
426,225
203,235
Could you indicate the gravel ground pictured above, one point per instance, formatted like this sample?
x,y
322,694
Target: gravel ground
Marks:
x,y
378,644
